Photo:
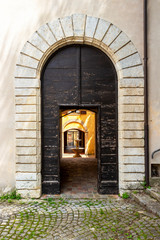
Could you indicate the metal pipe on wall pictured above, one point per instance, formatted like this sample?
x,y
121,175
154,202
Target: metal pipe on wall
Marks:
x,y
145,13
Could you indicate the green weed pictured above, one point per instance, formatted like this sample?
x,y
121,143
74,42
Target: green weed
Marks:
x,y
12,195
125,195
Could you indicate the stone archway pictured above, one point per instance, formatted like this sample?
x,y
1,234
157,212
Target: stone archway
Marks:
x,y
111,40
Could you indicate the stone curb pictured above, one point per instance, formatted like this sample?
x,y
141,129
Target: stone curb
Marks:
x,y
146,201
152,192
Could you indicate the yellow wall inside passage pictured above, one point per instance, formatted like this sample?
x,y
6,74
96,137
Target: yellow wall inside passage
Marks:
x,y
85,123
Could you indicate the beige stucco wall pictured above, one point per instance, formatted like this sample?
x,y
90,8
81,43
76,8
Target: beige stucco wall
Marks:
x,y
19,19
154,77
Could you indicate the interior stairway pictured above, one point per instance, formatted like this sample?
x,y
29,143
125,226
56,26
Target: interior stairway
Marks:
x,y
150,199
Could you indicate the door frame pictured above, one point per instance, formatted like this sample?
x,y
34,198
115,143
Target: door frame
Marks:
x,y
97,110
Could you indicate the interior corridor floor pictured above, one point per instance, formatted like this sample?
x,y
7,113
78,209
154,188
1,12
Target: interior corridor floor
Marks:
x,y
79,177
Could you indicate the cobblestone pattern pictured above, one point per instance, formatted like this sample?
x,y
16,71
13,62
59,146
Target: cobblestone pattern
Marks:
x,y
74,219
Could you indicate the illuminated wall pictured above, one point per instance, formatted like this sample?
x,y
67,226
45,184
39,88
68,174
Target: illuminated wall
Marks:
x,y
85,123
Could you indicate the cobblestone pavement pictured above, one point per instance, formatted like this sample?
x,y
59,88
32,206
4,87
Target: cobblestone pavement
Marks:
x,y
110,218
79,177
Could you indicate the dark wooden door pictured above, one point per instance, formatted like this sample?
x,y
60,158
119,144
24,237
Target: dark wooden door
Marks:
x,y
82,76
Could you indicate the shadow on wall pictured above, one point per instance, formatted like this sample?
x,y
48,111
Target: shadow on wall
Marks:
x,y
19,20
22,19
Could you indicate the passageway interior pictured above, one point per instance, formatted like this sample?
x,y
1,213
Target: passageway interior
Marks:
x,y
78,133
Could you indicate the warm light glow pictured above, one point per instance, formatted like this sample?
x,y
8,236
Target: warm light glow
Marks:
x,y
84,121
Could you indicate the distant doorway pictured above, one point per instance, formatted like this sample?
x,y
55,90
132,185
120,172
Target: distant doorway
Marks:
x,y
78,124
70,137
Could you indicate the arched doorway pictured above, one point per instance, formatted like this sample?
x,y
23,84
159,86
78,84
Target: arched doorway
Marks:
x,y
114,42
70,137
80,76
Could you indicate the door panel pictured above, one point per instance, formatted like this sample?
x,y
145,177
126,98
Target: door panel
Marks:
x,y
80,75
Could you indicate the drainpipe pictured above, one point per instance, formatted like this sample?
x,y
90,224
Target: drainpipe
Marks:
x,y
146,92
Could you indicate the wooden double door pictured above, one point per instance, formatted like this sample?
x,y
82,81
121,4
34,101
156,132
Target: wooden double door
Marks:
x,y
80,77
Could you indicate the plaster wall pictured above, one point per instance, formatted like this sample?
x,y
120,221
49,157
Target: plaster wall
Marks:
x,y
154,77
88,121
19,19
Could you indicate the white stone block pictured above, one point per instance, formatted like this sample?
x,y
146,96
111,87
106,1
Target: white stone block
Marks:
x,y
134,160
91,23
26,159
22,117
26,150
133,116
25,72
46,34
101,29
26,125
111,35
25,142
25,100
24,83
30,193
32,51
133,91
120,41
79,24
132,72
131,61
67,26
26,176
125,51
131,82
133,142
27,61
133,134
25,92
25,134
26,184
20,167
134,168
55,27
133,108
130,186
131,126
132,100
37,41
134,177
26,109
133,151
